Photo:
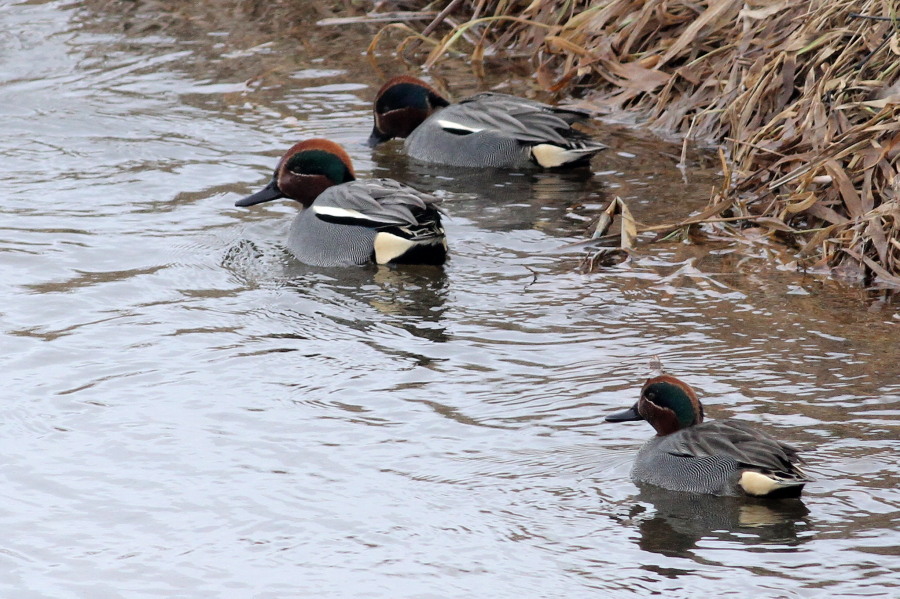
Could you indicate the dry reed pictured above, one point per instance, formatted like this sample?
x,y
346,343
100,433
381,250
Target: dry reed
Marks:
x,y
803,95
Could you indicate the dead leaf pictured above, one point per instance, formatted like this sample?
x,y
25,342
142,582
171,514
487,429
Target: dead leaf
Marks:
x,y
773,223
717,11
629,229
634,76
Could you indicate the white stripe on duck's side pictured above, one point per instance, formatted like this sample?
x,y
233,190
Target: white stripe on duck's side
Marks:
x,y
390,247
451,126
336,212
344,216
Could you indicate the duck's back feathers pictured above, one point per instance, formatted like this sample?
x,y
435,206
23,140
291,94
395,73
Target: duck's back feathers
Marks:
x,y
524,109
734,439
525,120
374,203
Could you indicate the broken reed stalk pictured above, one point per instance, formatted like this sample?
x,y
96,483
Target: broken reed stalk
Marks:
x,y
451,6
804,96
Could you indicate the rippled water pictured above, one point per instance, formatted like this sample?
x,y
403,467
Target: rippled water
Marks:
x,y
191,413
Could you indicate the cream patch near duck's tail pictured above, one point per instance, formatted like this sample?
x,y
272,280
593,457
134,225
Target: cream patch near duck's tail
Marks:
x,y
551,156
390,247
760,485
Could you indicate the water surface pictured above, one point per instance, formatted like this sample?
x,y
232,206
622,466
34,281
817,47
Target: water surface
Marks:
x,y
191,413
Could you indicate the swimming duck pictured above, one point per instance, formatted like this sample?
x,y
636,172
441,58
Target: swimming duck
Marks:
x,y
485,130
722,457
345,221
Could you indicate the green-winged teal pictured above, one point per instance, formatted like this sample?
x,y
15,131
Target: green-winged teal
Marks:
x,y
722,457
486,130
345,221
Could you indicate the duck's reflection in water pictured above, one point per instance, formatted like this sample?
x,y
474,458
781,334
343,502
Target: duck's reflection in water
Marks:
x,y
410,297
679,520
497,199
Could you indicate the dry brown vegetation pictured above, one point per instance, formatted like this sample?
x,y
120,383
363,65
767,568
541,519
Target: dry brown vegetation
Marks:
x,y
802,95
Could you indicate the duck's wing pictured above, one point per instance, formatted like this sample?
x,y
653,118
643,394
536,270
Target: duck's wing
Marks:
x,y
524,120
750,447
568,114
375,203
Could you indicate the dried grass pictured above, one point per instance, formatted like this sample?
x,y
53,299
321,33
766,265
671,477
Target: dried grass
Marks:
x,y
804,96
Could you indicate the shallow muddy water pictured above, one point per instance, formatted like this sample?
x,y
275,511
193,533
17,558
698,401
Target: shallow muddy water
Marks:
x,y
188,412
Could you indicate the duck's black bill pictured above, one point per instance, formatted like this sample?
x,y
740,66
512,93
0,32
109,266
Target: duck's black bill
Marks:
x,y
266,194
625,416
377,137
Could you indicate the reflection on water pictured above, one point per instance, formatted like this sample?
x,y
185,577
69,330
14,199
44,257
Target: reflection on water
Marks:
x,y
191,412
500,199
410,294
678,521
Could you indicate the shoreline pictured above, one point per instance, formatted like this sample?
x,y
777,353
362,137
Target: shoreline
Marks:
x,y
803,99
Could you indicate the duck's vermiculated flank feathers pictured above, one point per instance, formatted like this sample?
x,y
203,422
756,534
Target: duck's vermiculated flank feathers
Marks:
x,y
750,448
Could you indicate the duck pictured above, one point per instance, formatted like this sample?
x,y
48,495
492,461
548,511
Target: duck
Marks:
x,y
487,130
345,221
719,457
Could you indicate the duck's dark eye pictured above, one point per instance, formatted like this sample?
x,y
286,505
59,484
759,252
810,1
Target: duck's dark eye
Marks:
x,y
651,395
